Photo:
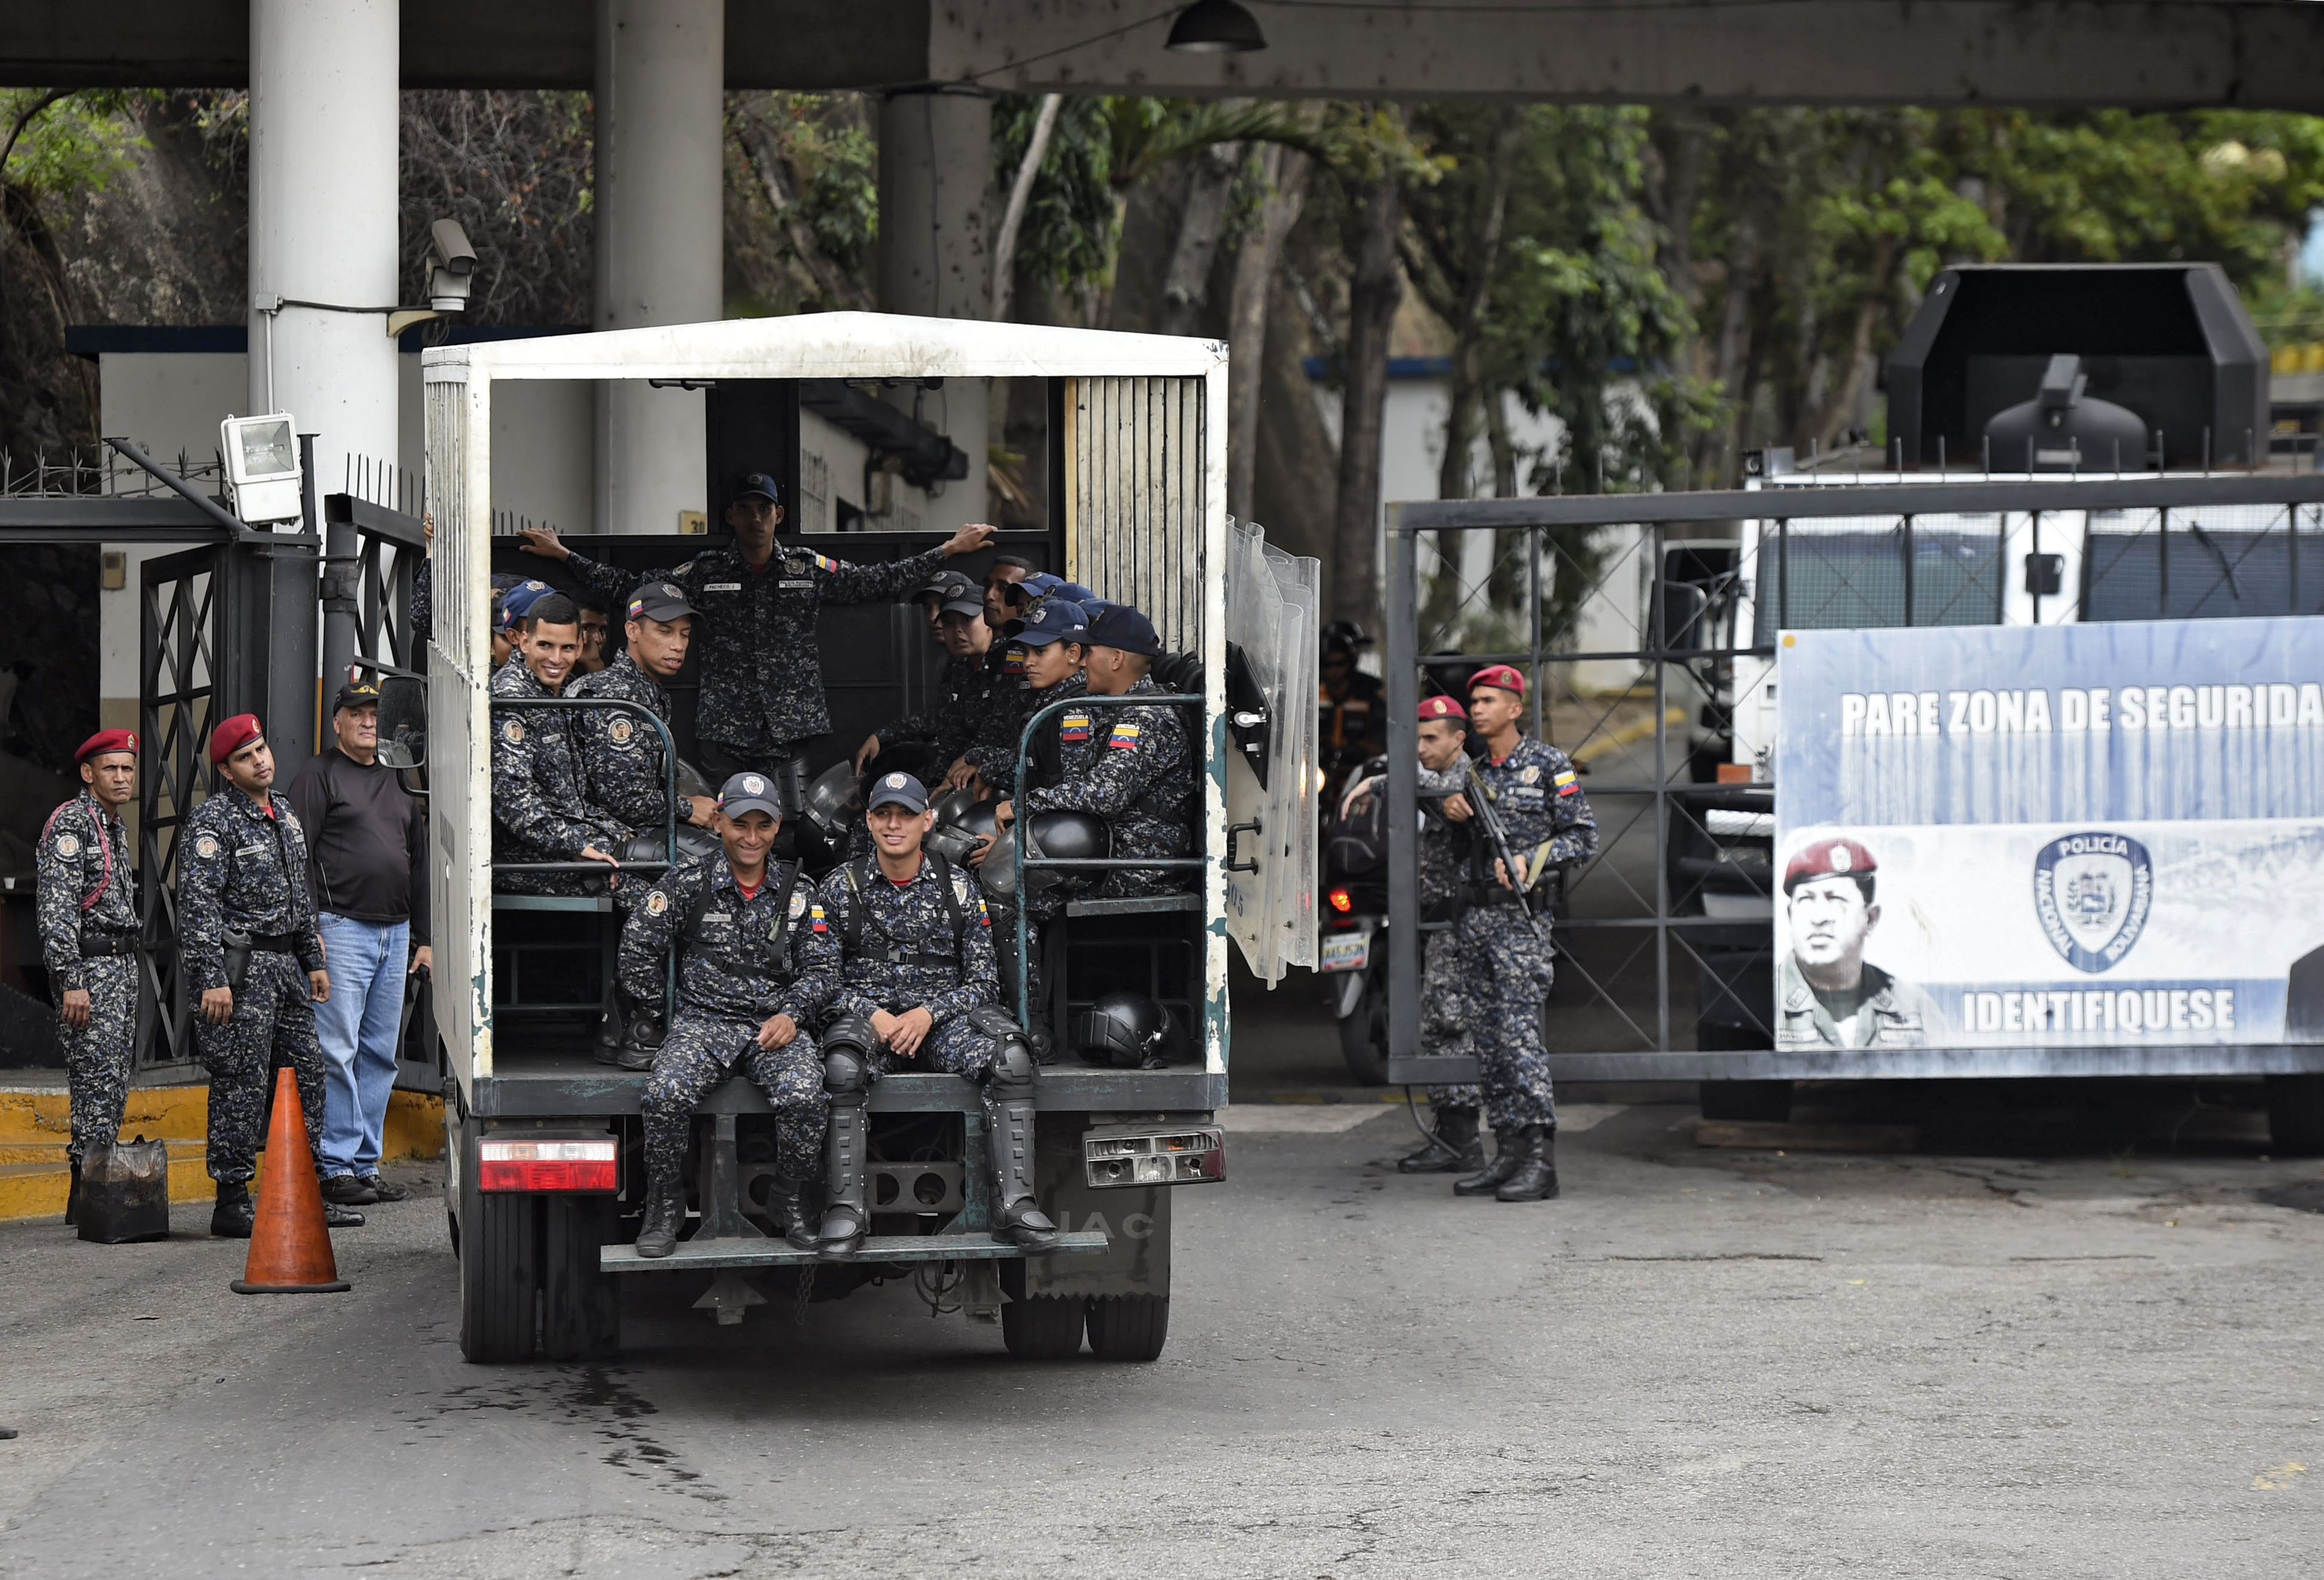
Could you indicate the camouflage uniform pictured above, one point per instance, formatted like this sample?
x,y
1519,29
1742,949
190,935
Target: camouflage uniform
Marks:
x,y
89,898
242,871
964,697
542,810
731,979
908,955
1507,969
1061,749
1141,782
621,762
998,724
762,676
1446,1009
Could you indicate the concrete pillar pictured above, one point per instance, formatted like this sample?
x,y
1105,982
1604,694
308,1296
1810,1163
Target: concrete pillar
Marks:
x,y
661,75
935,252
323,183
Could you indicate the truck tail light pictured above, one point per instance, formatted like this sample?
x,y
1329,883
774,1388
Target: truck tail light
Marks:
x,y
548,1165
1342,901
1195,1156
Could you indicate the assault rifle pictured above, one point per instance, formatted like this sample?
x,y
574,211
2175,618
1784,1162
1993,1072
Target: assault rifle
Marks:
x,y
1483,798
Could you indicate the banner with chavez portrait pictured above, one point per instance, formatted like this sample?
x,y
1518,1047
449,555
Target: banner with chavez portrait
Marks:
x,y
2102,835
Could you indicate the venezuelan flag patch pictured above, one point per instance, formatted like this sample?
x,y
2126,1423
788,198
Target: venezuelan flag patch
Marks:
x,y
821,563
1564,780
1074,727
815,919
1124,737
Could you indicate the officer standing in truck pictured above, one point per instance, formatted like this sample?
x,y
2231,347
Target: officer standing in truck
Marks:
x,y
87,907
249,945
752,974
761,673
1530,788
917,991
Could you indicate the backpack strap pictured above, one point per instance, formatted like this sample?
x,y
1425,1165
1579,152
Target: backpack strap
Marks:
x,y
784,879
104,849
950,898
850,926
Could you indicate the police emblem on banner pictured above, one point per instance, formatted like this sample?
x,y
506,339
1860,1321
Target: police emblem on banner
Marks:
x,y
2093,892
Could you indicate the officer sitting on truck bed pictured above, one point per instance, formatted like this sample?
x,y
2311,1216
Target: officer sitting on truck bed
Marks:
x,y
926,745
918,992
752,973
1137,771
762,674
542,810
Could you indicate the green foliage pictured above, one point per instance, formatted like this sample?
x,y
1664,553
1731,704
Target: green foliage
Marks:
x,y
68,144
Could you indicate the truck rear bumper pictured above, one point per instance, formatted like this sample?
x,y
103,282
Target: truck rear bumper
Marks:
x,y
742,1252
573,1085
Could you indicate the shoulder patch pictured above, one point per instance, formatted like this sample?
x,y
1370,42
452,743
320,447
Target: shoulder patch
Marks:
x,y
68,845
1124,737
657,903
816,919
619,730
798,903
513,732
1532,775
824,563
682,569
206,846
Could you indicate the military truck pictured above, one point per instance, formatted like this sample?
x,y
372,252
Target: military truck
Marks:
x,y
1122,489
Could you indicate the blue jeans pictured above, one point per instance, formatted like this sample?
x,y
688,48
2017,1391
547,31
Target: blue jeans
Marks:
x,y
357,1027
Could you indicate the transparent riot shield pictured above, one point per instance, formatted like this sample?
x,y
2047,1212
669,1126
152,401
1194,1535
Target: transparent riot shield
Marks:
x,y
1271,780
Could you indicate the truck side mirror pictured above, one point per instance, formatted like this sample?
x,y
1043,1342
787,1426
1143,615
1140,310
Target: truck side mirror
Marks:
x,y
402,722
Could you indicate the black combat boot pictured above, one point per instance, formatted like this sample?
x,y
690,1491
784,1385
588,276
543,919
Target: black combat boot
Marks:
x,y
72,1195
1508,1142
1453,1147
665,1216
234,1216
786,1200
1536,1179
845,1214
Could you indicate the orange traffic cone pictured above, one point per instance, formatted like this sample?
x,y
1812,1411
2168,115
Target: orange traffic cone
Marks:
x,y
289,1248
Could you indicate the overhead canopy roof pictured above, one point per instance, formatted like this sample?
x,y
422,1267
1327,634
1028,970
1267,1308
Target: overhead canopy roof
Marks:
x,y
2148,54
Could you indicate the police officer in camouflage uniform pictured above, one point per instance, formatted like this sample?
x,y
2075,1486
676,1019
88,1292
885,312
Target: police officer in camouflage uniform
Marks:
x,y
1531,788
936,740
87,905
248,944
989,763
623,765
916,992
542,810
1141,779
752,974
762,670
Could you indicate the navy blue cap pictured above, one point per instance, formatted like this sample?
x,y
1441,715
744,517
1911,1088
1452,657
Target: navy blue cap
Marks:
x,y
1028,590
897,790
750,792
520,599
946,585
760,486
964,605
1054,620
1076,591
1124,629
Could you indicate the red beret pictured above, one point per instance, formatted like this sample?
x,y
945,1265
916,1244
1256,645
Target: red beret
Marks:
x,y
104,741
1499,677
1829,858
231,735
1441,708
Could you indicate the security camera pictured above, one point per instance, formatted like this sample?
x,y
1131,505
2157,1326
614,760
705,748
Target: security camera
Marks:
x,y
451,261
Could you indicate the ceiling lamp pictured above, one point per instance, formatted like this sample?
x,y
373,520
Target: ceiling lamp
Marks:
x,y
1216,27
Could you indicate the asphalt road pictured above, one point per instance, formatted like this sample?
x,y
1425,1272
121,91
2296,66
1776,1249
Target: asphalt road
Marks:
x,y
1699,1363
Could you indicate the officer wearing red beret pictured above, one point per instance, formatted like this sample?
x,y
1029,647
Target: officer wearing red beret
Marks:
x,y
87,905
1827,994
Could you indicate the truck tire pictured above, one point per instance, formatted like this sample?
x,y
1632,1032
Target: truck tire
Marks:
x,y
2295,1115
1128,1327
580,1302
1363,1038
500,1273
1042,1327
1761,1100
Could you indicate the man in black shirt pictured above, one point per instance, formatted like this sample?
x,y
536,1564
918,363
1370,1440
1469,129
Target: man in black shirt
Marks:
x,y
367,867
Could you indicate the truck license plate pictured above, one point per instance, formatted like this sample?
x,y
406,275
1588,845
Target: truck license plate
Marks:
x,y
1349,951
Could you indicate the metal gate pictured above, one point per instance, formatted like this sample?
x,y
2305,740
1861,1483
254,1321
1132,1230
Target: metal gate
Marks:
x,y
180,692
1648,625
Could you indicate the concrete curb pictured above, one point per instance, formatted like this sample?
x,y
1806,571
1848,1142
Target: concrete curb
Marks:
x,y
35,1122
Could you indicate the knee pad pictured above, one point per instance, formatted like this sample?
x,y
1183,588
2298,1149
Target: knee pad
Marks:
x,y
852,1034
1013,1051
845,1072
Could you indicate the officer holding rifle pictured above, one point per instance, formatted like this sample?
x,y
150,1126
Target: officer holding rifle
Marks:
x,y
1532,819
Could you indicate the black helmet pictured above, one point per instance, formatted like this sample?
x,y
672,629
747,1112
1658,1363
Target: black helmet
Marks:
x,y
1124,1030
1073,836
962,822
832,797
